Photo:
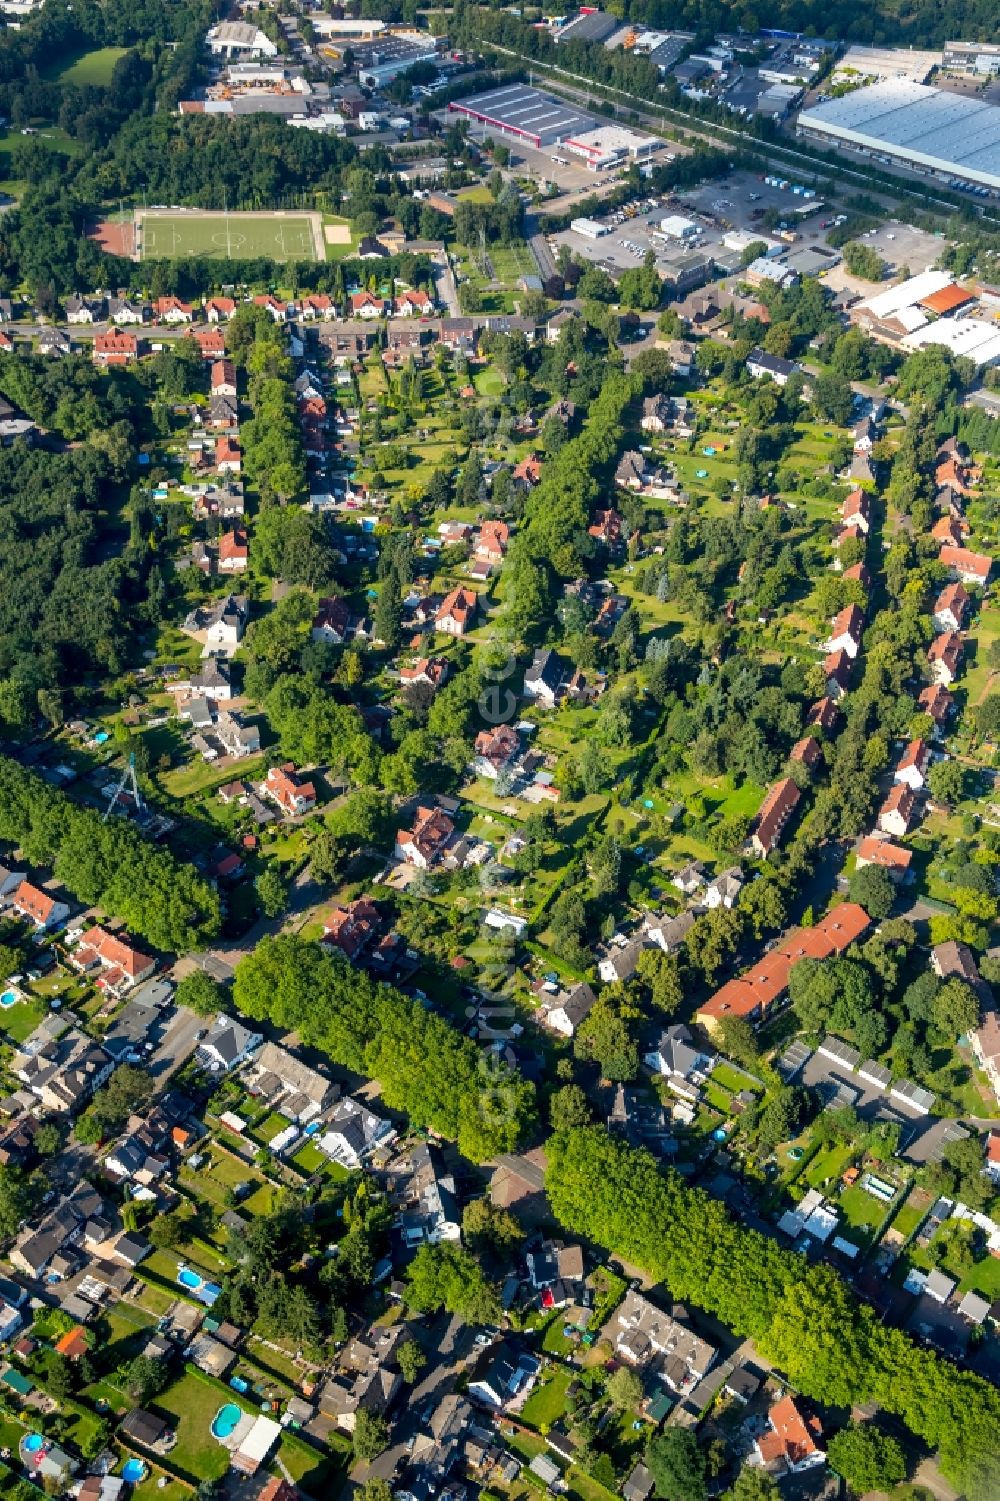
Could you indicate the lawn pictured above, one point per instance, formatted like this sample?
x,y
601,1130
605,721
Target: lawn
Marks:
x,y
547,1402
320,1475
275,236
862,1211
18,1021
189,1405
89,69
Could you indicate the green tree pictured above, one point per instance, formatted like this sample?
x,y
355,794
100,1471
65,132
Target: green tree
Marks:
x,y
955,1008
677,1465
449,1277
872,888
569,1108
272,893
412,1360
371,1434
199,993
946,780
624,1389
145,1377
866,1458
752,1484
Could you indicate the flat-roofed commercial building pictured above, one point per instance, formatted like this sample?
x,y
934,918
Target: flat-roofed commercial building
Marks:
x,y
949,135
971,57
610,144
525,114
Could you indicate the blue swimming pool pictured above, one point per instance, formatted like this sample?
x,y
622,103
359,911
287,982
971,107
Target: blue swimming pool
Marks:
x,y
313,1127
10,998
205,1292
32,1443
225,1420
134,1471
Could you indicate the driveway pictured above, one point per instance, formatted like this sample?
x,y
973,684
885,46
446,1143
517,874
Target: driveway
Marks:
x,y
177,1046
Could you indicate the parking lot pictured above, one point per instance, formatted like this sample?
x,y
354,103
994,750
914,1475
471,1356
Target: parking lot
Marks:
x,y
738,202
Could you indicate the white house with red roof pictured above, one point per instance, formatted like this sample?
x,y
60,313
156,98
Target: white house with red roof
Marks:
x,y
223,378
122,965
896,813
36,906
944,656
457,612
791,1442
234,551
845,632
219,309
911,768
284,787
969,567
876,850
950,608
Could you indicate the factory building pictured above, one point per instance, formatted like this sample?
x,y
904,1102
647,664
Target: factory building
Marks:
x,y
524,114
950,136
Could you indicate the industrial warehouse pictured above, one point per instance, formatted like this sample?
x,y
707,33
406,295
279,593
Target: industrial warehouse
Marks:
x,y
954,137
528,115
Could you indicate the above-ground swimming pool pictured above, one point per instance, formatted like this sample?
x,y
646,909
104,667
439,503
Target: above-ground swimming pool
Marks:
x,y
10,997
134,1470
225,1420
32,1442
205,1292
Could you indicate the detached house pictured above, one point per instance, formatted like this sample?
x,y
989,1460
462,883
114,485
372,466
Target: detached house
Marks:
x,y
219,309
656,414
950,608
969,567
223,378
234,551
845,633
893,858
456,612
856,511
563,1011
837,671
496,750
331,621
985,1041
121,964
367,1380
354,1134
228,455
790,1444
896,813
944,657
680,1061
354,927
283,786
775,811
425,843
545,678
912,766
172,310
937,702
428,671
116,347
764,366
227,1044
367,305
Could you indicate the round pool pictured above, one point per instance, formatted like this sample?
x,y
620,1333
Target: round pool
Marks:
x,y
32,1443
9,998
134,1471
225,1420
719,1134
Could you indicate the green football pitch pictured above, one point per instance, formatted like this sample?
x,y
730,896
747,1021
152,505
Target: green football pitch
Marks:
x,y
278,237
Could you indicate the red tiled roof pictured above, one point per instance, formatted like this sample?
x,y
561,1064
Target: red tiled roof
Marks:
x,y
883,852
966,562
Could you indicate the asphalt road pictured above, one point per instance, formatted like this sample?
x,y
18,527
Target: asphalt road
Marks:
x,y
177,1046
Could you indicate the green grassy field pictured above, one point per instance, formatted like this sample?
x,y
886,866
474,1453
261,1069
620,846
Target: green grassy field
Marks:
x,y
279,237
93,69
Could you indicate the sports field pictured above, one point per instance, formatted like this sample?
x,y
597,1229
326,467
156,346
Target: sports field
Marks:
x,y
169,235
